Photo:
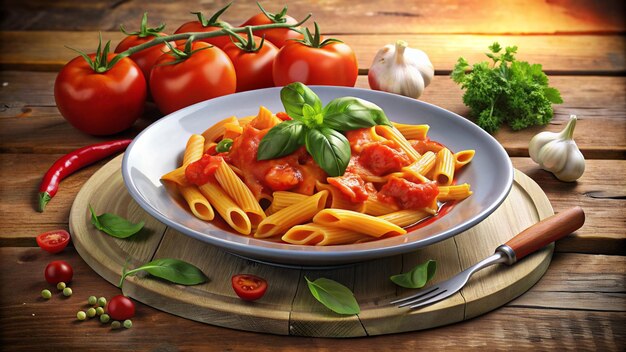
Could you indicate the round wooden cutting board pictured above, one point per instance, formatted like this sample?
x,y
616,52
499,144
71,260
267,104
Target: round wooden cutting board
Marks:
x,y
288,308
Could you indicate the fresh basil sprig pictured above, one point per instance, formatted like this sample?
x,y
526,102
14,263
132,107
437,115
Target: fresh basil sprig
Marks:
x,y
333,295
417,277
173,270
319,128
114,225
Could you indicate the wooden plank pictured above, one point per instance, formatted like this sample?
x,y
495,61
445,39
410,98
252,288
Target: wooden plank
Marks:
x,y
559,54
31,124
526,327
448,16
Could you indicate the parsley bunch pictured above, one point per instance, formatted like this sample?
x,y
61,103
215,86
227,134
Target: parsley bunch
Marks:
x,y
510,91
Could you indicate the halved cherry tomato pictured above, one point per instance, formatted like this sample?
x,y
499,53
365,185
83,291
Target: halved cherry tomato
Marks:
x,y
58,271
249,287
53,241
121,307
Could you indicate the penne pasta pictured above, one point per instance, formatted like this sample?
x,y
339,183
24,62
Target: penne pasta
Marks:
x,y
321,235
362,223
421,166
407,217
456,192
216,132
199,205
337,199
443,172
265,119
292,215
232,130
418,132
176,176
240,193
375,207
227,208
283,199
463,158
394,135
194,149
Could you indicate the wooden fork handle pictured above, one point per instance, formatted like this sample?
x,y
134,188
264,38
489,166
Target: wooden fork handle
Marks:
x,y
545,232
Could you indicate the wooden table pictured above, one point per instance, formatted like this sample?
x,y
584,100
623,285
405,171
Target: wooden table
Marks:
x,y
580,303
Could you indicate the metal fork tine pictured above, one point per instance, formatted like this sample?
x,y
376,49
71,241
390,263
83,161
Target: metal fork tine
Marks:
x,y
428,300
418,296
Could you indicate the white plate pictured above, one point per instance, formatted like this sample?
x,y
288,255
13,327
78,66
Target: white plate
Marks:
x,y
159,148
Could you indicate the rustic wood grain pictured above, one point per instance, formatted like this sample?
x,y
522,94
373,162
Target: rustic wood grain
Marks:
x,y
523,323
559,54
335,16
36,127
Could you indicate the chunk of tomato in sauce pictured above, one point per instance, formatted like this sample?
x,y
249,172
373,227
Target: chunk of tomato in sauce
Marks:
x,y
381,159
282,177
426,145
201,171
351,185
408,195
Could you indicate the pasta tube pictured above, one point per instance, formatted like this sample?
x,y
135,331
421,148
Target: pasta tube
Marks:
x,y
292,215
362,223
227,208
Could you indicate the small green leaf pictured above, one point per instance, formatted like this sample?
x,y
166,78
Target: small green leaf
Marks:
x,y
283,139
114,225
224,145
553,95
349,113
295,95
330,150
333,295
417,277
311,117
173,270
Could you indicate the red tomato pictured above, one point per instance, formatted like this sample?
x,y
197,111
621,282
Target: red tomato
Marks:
x,y
204,25
381,159
253,68
333,64
409,195
201,171
58,271
53,241
146,58
100,103
121,307
249,287
206,74
351,185
278,36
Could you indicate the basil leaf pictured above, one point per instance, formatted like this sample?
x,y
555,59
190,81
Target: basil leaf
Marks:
x,y
295,95
333,295
350,113
330,150
281,140
173,270
417,277
114,225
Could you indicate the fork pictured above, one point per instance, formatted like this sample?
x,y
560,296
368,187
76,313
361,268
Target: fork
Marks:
x,y
526,242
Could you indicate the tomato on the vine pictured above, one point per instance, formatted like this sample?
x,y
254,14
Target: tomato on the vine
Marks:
x,y
146,58
210,25
189,75
312,61
58,271
53,241
253,60
100,96
278,36
249,287
121,307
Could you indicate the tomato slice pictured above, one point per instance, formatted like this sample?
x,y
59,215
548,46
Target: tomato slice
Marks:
x,y
249,287
53,241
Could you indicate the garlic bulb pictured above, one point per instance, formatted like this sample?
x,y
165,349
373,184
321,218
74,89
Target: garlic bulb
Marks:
x,y
401,70
558,153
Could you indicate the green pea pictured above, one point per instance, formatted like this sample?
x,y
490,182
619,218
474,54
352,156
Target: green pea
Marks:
x,y
61,286
81,315
128,323
102,301
91,312
67,292
46,294
99,310
104,318
92,300
116,325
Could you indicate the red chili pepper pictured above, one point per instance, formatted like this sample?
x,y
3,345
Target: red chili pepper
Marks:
x,y
72,162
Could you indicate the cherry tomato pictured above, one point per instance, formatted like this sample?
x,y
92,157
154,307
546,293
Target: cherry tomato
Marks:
x,y
58,271
210,25
332,64
249,287
253,68
53,241
100,103
278,36
146,58
121,307
205,74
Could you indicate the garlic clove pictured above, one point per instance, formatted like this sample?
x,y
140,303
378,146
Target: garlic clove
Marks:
x,y
552,156
575,168
537,142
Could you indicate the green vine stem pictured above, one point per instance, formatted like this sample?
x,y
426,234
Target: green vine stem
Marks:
x,y
200,35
